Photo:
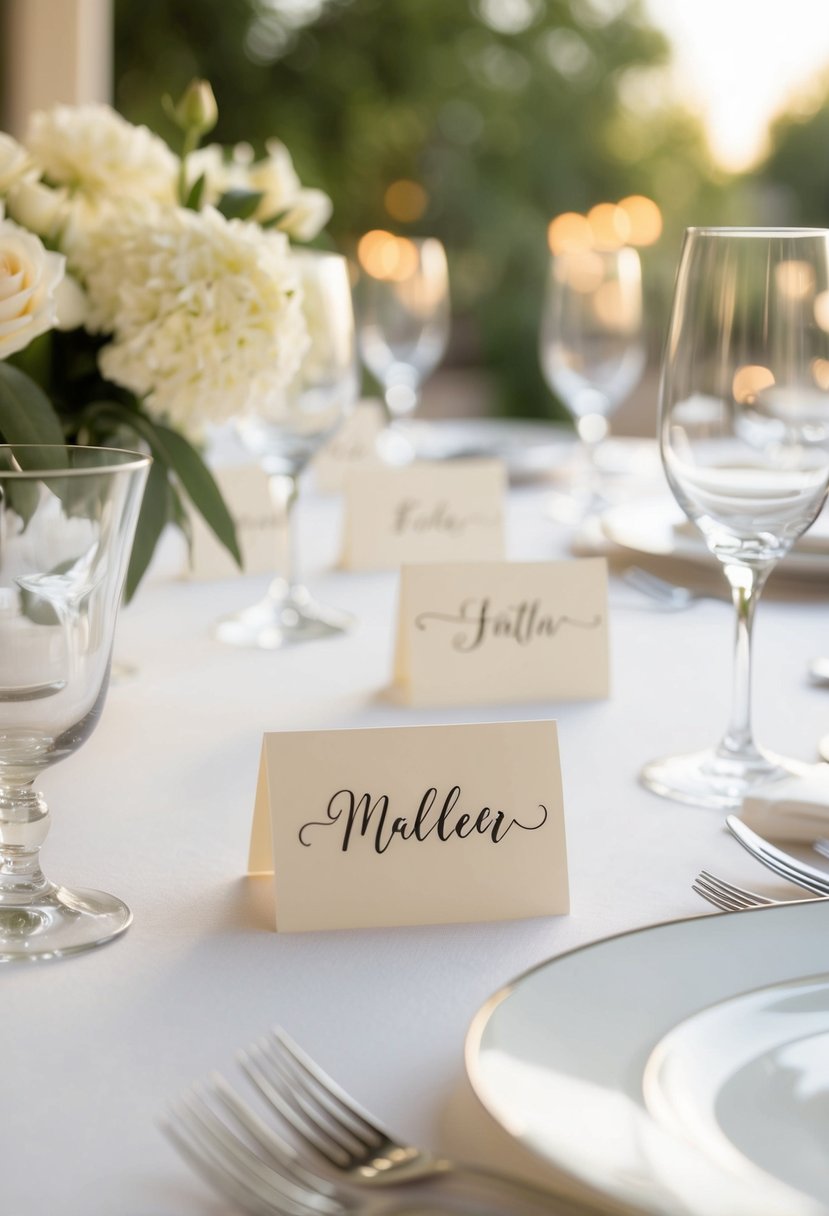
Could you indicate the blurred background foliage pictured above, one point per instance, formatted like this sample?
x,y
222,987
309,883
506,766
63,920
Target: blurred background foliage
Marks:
x,y
476,121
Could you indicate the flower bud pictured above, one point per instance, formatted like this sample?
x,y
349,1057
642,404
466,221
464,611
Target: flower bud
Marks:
x,y
197,111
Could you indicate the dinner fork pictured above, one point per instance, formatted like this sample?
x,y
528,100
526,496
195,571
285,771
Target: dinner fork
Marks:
x,y
265,1183
242,1153
726,896
788,867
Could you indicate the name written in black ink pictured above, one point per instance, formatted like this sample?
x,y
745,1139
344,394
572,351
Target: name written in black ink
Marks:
x,y
525,622
363,817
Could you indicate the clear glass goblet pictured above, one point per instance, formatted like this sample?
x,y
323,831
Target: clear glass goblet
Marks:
x,y
403,326
592,349
284,437
743,435
67,518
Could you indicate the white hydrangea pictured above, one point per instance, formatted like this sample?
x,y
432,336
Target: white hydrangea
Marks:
x,y
98,166
29,279
304,212
205,314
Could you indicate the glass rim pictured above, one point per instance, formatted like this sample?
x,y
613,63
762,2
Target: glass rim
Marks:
x,y
763,230
133,462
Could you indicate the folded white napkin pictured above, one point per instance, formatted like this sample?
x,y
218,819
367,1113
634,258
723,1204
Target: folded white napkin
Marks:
x,y
796,808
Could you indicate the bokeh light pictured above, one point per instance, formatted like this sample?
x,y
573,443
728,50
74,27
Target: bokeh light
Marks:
x,y
609,224
570,233
749,380
644,219
384,256
405,200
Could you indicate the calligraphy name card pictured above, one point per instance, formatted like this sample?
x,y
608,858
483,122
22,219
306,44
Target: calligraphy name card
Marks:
x,y
352,446
411,825
259,527
502,631
447,511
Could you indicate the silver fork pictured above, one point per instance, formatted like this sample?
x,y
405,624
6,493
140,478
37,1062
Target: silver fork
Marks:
x,y
670,596
788,867
726,896
266,1182
332,1125
252,1162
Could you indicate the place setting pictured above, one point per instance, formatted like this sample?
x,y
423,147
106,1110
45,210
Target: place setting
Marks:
x,y
451,871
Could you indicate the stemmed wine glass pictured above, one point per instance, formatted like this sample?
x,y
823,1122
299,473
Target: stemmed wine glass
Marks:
x,y
592,347
403,325
67,518
286,437
742,430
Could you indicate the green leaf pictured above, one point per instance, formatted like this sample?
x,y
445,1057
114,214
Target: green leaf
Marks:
x,y
195,194
200,486
172,450
26,413
154,514
239,204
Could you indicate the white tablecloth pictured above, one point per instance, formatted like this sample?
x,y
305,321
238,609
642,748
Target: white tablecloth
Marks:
x,y
157,808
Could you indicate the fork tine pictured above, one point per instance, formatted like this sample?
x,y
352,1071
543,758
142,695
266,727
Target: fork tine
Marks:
x,y
274,1094
231,1165
204,1164
278,1152
752,898
323,1096
249,1168
328,1085
295,1090
717,898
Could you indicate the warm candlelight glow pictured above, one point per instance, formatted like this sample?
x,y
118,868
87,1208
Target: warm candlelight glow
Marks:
x,y
405,200
750,380
644,218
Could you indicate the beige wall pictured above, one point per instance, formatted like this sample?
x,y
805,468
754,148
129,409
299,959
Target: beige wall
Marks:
x,y
54,50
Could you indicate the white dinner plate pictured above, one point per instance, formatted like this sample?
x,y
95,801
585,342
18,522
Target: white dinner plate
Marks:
x,y
561,1058
657,527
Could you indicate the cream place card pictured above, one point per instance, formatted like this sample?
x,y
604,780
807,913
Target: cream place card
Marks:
x,y
352,446
259,526
412,825
482,632
450,510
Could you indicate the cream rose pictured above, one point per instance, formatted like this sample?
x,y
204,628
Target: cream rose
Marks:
x,y
29,279
14,161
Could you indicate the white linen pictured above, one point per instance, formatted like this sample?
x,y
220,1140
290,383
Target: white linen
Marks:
x,y
157,809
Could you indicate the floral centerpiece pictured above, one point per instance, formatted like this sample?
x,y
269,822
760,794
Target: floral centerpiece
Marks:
x,y
145,296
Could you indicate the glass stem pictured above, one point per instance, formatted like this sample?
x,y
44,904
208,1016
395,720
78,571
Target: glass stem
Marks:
x,y
24,823
746,583
284,490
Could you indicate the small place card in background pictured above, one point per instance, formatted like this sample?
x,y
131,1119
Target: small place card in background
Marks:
x,y
502,631
352,446
259,526
450,510
411,825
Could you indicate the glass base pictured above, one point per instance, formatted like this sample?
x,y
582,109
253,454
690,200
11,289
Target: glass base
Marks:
x,y
712,778
60,922
394,445
281,621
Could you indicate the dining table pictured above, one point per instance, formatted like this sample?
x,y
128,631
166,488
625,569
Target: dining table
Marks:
x,y
157,807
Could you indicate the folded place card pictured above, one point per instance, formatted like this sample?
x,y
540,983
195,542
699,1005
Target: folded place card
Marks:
x,y
447,511
411,825
502,631
259,526
352,446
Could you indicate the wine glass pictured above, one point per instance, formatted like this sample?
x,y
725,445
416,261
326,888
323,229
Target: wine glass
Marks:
x,y
743,438
67,518
592,348
284,437
403,325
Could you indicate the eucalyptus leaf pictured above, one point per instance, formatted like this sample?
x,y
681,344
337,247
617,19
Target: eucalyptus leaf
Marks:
x,y
200,486
195,194
239,204
26,413
154,514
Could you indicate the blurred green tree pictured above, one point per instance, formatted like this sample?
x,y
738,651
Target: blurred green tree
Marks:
x,y
506,112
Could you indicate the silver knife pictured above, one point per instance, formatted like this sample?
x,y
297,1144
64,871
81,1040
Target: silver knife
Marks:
x,y
798,872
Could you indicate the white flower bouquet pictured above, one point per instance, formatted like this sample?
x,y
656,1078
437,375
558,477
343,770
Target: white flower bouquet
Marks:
x,y
145,295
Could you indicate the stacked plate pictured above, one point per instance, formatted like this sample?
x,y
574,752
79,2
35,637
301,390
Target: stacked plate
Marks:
x,y
681,1069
